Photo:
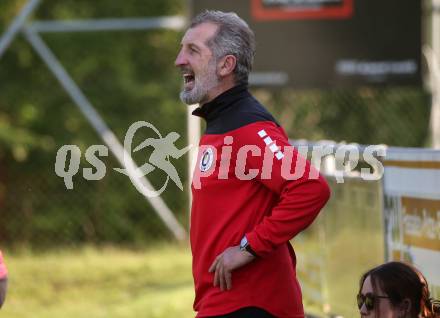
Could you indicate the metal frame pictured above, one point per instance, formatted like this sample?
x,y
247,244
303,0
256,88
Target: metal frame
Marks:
x,y
31,33
433,57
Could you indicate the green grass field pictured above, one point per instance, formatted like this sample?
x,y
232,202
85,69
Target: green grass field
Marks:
x,y
106,282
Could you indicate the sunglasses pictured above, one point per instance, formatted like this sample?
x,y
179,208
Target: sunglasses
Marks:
x,y
369,299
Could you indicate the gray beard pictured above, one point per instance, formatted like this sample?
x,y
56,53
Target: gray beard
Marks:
x,y
202,86
194,96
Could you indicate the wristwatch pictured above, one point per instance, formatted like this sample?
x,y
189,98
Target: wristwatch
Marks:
x,y
245,246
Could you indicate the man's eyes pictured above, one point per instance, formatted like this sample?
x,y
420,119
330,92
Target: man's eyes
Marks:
x,y
193,50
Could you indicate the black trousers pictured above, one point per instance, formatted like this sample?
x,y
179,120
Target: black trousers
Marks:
x,y
247,312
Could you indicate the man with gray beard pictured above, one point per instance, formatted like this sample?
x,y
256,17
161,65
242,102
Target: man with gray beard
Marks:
x,y
243,263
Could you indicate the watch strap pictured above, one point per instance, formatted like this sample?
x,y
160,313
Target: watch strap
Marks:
x,y
249,249
245,246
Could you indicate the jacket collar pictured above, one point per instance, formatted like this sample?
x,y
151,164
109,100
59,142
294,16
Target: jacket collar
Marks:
x,y
214,108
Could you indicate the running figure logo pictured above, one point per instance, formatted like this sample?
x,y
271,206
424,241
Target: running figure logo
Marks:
x,y
163,148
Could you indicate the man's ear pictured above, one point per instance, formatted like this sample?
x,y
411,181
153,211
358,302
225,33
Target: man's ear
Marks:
x,y
227,65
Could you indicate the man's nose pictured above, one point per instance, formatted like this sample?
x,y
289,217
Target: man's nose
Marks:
x,y
180,59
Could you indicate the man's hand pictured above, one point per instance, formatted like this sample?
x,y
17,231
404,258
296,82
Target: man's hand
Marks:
x,y
223,265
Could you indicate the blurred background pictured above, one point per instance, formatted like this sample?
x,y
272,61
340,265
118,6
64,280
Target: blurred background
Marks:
x,y
100,249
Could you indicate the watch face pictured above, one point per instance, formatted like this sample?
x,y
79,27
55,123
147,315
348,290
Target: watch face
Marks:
x,y
243,242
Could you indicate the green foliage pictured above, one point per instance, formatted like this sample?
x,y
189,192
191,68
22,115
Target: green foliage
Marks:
x,y
395,116
128,76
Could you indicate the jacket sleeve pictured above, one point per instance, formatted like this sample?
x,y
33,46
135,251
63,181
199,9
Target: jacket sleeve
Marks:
x,y
3,280
301,189
3,270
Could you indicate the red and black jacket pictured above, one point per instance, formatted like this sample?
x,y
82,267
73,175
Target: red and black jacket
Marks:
x,y
240,188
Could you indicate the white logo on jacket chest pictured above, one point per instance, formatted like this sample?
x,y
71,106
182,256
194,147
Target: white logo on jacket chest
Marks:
x,y
206,160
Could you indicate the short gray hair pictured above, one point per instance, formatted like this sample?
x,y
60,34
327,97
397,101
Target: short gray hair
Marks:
x,y
233,37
